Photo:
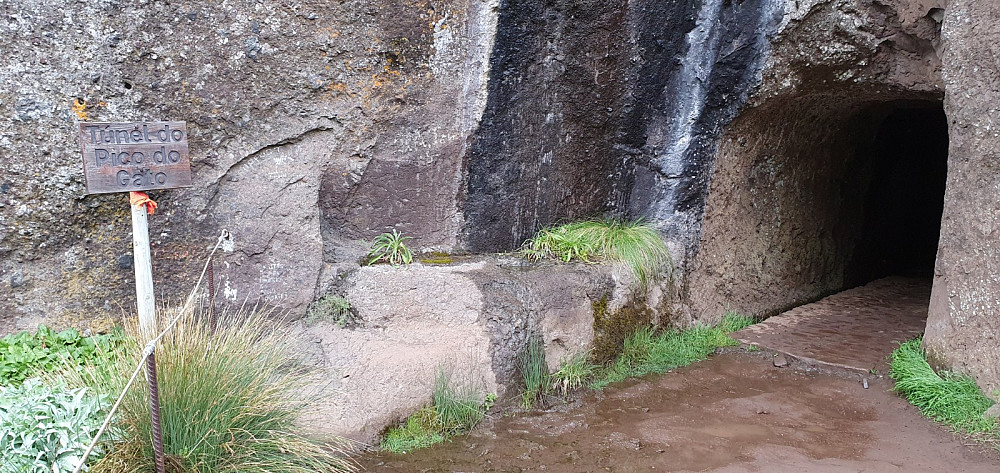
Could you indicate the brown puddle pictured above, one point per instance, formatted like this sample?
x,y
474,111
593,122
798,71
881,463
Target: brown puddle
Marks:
x,y
732,413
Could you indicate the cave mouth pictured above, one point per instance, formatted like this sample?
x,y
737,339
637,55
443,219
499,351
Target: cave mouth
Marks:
x,y
817,194
825,219
904,167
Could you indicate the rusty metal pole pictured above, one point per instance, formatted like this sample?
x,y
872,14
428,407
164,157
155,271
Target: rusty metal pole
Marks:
x,y
211,292
154,408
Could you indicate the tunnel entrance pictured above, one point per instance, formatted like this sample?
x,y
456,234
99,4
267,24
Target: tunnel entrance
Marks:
x,y
824,216
907,165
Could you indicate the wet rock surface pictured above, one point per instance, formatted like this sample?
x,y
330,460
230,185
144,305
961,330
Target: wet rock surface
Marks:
x,y
609,107
732,413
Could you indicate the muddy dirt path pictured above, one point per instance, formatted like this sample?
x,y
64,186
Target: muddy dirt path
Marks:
x,y
732,413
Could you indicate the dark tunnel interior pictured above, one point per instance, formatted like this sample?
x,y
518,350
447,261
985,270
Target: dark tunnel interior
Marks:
x,y
904,198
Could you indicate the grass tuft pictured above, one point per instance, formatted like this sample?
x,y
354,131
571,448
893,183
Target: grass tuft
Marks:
x,y
420,430
458,409
733,322
648,352
573,373
332,308
632,243
229,400
453,411
950,398
534,371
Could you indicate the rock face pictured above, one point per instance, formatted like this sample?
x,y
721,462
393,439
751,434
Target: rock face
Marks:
x,y
311,126
608,107
963,330
470,322
768,140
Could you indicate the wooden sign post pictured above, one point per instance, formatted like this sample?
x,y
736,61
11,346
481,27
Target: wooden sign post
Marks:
x,y
142,262
135,157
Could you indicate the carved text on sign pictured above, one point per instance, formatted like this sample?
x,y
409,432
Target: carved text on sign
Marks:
x,y
138,156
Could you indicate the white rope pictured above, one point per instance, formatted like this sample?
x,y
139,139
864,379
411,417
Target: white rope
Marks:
x,y
107,421
190,299
147,350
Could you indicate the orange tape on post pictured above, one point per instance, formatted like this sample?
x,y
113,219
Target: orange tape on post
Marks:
x,y
140,198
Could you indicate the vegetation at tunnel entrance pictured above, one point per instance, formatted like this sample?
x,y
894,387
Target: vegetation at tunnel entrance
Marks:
x,y
648,351
949,398
633,243
645,351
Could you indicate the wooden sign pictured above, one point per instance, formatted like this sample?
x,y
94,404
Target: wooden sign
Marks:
x,y
137,156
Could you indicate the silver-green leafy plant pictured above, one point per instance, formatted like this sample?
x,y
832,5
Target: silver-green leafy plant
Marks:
x,y
46,428
390,248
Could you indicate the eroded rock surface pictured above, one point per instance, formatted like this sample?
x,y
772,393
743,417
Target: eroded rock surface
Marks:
x,y
470,321
312,125
963,329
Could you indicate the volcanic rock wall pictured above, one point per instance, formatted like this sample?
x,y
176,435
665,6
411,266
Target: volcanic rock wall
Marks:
x,y
963,326
312,125
609,108
730,125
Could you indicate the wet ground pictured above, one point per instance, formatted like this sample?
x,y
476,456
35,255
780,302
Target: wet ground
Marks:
x,y
852,330
733,413
738,411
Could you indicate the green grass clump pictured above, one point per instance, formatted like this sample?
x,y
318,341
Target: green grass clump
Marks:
x,y
952,399
573,373
734,322
420,430
46,428
26,354
534,372
390,248
648,351
229,402
458,409
453,411
632,243
333,308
